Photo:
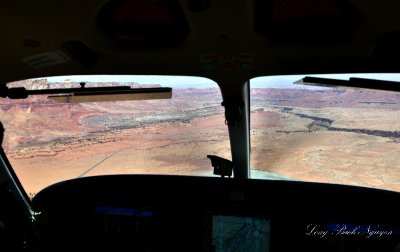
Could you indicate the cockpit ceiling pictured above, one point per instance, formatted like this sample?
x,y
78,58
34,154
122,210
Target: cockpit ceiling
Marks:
x,y
228,41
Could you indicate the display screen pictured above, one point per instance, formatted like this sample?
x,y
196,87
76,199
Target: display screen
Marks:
x,y
180,229
238,233
118,227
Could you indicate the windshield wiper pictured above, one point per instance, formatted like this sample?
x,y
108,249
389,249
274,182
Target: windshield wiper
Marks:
x,y
90,94
351,83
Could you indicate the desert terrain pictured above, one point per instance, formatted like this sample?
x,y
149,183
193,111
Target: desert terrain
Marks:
x,y
335,136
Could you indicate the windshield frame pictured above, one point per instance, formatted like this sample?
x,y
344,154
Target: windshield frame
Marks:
x,y
181,81
373,80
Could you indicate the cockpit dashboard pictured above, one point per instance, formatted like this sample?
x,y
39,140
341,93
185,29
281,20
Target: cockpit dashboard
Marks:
x,y
182,213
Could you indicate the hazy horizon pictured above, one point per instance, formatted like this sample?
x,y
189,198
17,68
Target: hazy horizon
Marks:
x,y
281,81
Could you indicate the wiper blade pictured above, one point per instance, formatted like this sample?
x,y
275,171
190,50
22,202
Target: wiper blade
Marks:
x,y
121,95
351,83
91,94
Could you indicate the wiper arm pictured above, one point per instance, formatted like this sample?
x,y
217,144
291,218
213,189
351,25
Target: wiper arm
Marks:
x,y
351,83
91,94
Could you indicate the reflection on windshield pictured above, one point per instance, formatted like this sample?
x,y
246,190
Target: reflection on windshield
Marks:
x,y
48,142
343,136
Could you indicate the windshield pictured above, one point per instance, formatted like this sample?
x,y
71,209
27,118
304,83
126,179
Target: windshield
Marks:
x,y
320,134
48,142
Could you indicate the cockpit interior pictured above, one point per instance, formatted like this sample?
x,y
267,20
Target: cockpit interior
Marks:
x,y
200,125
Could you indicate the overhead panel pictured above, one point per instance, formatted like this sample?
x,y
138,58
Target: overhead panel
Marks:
x,y
298,21
143,23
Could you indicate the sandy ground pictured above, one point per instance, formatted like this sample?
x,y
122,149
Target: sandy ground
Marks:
x,y
328,156
181,148
151,150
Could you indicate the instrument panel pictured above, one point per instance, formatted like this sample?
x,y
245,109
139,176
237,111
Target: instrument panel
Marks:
x,y
178,213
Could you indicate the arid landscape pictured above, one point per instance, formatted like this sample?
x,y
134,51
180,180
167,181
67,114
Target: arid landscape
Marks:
x,y
327,135
322,135
48,142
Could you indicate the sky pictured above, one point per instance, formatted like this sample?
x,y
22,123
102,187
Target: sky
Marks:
x,y
200,82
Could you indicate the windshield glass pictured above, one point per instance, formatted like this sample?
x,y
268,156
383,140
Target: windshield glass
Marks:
x,y
320,134
48,142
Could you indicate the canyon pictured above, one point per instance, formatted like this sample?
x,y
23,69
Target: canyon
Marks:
x,y
319,135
